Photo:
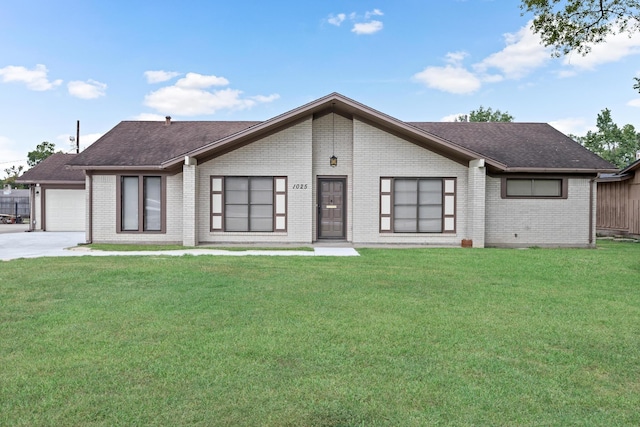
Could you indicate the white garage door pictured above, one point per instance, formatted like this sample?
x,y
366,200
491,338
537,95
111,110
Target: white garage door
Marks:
x,y
65,210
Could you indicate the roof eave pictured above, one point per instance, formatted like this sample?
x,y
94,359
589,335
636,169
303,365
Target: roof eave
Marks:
x,y
116,168
49,182
557,170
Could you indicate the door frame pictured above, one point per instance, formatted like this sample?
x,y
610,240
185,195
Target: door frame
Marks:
x,y
319,180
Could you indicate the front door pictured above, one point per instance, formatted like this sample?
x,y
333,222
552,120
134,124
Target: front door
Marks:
x,y
331,214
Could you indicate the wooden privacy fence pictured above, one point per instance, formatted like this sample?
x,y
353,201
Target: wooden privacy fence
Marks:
x,y
616,210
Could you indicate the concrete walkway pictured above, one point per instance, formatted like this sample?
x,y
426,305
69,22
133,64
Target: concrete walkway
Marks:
x,y
14,245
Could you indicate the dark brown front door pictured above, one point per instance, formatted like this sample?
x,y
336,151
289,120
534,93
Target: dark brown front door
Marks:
x,y
331,215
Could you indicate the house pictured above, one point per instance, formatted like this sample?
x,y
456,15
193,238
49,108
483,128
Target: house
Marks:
x,y
337,170
619,202
57,195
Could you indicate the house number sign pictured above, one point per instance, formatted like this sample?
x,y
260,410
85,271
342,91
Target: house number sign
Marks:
x,y
300,186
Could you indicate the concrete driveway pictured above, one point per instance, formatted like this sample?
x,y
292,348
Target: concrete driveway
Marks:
x,y
15,243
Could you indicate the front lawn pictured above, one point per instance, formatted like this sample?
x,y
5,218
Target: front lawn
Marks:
x,y
407,337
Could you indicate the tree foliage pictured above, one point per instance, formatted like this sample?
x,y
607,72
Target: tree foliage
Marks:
x,y
616,144
42,151
485,115
575,25
11,174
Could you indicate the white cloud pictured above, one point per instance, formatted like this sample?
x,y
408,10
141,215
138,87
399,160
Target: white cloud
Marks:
x,y
450,78
634,103
336,19
453,78
160,76
90,89
199,81
149,117
35,79
523,54
359,27
374,12
367,27
190,97
452,117
614,48
573,126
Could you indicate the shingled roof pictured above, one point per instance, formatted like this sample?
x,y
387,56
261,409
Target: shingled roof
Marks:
x,y
513,147
518,145
53,170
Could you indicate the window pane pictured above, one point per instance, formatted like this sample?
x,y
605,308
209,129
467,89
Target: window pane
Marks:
x,y
405,212
430,225
236,196
261,211
129,203
547,187
236,211
430,212
261,183
261,224
430,185
236,224
152,198
235,183
261,197
404,225
405,191
518,187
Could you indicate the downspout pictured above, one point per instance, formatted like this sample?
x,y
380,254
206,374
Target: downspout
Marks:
x,y
591,181
32,206
90,207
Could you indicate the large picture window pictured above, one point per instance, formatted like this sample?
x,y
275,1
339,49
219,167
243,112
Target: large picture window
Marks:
x,y
417,205
141,204
534,188
248,204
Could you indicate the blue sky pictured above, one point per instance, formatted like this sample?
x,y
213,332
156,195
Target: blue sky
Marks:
x,y
102,62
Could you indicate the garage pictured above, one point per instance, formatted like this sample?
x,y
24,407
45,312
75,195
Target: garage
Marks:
x,y
64,210
57,195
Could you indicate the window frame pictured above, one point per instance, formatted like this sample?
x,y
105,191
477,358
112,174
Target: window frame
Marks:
x,y
564,187
448,205
141,216
218,204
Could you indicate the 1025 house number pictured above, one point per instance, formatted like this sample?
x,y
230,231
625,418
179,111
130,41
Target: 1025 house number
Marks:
x,y
300,186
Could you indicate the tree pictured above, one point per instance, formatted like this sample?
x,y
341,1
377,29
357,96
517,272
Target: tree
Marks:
x,y
42,151
12,174
575,25
612,143
486,115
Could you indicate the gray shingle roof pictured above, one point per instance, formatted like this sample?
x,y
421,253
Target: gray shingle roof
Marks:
x,y
53,169
518,145
506,146
146,143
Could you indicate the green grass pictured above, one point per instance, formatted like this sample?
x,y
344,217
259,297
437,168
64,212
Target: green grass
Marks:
x,y
395,337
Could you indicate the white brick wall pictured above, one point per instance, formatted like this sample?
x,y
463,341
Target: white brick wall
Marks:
x,y
377,154
538,222
285,153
